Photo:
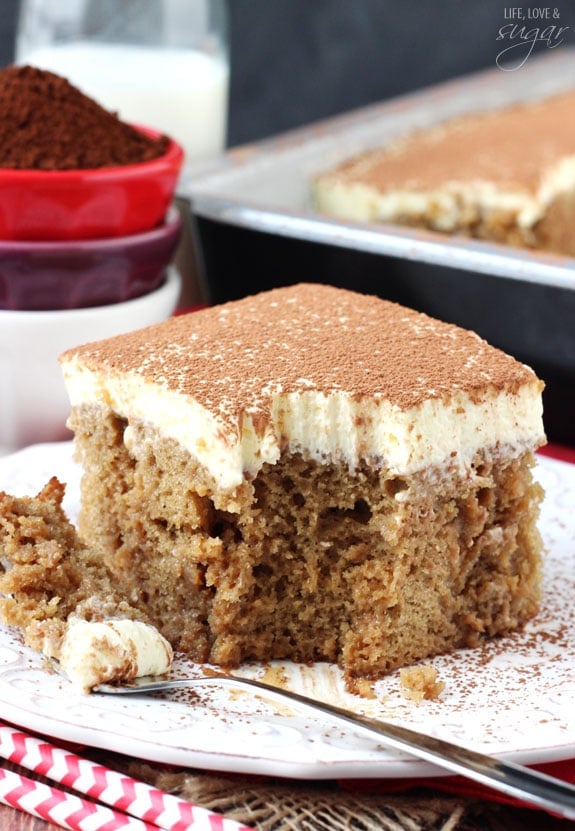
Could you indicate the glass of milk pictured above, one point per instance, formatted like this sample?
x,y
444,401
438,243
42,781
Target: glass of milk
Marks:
x,y
160,63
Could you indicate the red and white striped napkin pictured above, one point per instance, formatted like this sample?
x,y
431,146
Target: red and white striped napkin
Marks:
x,y
134,805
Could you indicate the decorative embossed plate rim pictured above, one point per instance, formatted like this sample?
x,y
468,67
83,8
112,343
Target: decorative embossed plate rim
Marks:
x,y
513,697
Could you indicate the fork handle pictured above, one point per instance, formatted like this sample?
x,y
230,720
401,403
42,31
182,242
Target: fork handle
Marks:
x,y
515,780
525,784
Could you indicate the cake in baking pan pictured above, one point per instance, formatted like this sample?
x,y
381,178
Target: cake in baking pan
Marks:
x,y
503,175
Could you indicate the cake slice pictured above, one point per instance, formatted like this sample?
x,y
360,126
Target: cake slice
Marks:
x,y
503,175
311,474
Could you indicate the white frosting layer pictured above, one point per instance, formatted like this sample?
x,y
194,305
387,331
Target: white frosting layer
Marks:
x,y
114,650
334,426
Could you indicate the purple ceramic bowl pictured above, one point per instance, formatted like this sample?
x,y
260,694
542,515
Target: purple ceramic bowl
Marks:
x,y
40,276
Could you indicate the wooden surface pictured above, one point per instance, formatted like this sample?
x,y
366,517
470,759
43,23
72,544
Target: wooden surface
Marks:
x,y
11,820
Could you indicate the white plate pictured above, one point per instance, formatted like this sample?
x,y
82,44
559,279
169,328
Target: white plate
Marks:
x,y
513,697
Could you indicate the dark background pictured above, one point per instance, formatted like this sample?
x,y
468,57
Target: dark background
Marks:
x,y
294,61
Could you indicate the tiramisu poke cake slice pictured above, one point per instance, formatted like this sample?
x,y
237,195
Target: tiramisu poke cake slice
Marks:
x,y
503,175
311,474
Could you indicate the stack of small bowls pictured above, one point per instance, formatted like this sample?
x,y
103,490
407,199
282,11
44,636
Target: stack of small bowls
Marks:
x,y
84,255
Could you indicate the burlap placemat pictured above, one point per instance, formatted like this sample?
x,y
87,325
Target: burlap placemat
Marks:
x,y
283,805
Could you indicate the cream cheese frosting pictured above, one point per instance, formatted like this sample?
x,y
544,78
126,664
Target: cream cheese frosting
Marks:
x,y
97,652
314,369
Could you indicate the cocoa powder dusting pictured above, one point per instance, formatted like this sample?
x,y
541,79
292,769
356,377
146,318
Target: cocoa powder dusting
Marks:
x,y
48,124
309,337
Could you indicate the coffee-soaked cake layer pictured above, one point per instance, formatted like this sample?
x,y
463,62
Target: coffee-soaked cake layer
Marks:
x,y
368,569
64,600
47,572
506,175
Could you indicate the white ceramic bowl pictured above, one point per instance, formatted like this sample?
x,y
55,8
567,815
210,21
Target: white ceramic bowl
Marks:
x,y
33,401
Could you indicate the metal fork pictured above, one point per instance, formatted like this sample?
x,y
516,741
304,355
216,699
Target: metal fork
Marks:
x,y
514,780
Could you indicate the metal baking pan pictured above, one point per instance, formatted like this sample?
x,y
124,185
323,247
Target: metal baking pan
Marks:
x,y
256,229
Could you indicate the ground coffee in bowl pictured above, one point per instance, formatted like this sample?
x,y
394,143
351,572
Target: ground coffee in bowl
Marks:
x,y
48,124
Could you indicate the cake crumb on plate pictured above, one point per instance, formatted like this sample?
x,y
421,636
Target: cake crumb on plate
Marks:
x,y
420,683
